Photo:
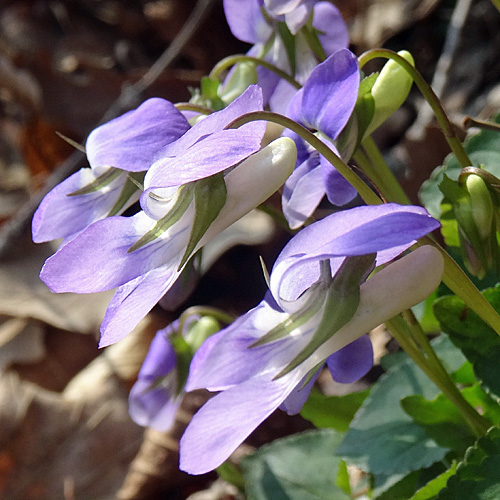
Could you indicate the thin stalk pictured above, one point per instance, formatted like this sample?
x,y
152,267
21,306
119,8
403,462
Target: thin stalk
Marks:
x,y
388,185
364,191
227,62
459,283
188,106
429,95
496,3
478,424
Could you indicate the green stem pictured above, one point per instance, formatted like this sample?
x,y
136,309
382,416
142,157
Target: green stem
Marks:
x,y
364,191
388,184
429,95
459,283
227,62
187,106
478,424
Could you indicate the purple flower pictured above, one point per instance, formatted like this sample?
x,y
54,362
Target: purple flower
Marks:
x,y
124,145
324,105
248,23
155,397
258,362
143,255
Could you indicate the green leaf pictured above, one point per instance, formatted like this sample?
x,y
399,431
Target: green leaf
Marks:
x,y
300,467
479,343
433,487
334,412
383,439
441,420
209,198
478,476
131,186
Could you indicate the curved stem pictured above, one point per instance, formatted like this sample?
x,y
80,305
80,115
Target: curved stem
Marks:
x,y
188,106
459,283
478,424
227,62
429,95
364,191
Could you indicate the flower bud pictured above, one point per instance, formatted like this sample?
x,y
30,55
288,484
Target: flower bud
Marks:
x,y
390,90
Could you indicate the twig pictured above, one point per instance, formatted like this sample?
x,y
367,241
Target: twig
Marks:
x,y
129,97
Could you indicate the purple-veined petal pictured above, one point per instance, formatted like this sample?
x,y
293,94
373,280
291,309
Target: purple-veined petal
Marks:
x,y
250,100
98,258
303,192
296,13
369,229
332,30
61,216
352,361
132,301
131,141
246,21
217,152
330,93
338,190
226,420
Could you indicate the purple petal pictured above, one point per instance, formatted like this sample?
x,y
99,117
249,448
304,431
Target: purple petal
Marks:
x,y
296,12
295,401
333,33
130,141
153,407
132,301
279,7
250,100
98,258
386,229
246,21
225,421
338,190
352,361
225,358
219,151
61,216
303,192
330,93
160,359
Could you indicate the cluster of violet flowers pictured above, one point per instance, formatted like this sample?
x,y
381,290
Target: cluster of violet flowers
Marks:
x,y
186,175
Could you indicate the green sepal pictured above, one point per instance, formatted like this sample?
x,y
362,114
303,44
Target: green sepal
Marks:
x,y
311,35
99,182
209,197
365,104
210,92
243,75
131,186
184,197
289,44
311,307
341,303
197,333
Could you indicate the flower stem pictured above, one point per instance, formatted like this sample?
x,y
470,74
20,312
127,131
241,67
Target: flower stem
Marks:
x,y
459,283
477,423
429,95
364,191
227,62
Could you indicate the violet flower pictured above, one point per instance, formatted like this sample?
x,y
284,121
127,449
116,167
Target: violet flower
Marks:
x,y
155,397
199,185
249,24
123,146
157,394
324,105
263,361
